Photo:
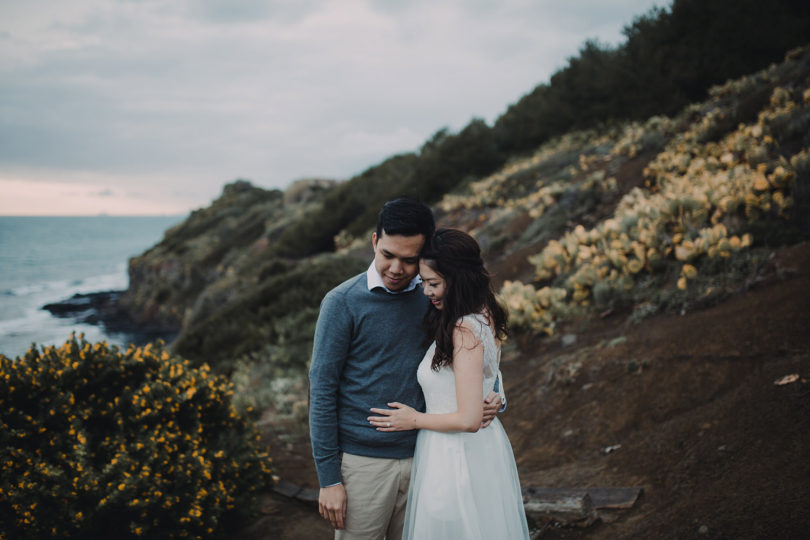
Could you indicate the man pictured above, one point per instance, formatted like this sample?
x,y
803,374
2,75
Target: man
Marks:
x,y
368,343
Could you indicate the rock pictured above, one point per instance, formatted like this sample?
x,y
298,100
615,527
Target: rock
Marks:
x,y
105,309
288,489
306,189
80,304
571,507
294,491
577,507
236,187
614,498
787,379
308,495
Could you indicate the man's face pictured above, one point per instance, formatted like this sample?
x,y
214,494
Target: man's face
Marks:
x,y
396,258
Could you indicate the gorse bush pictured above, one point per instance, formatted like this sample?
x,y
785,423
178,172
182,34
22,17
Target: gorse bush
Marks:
x,y
96,441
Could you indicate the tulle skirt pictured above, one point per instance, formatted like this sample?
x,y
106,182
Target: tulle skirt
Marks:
x,y
465,486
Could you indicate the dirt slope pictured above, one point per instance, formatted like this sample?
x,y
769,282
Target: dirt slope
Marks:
x,y
688,403
691,399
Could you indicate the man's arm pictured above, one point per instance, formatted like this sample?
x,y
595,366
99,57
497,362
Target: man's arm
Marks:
x,y
331,345
500,390
495,402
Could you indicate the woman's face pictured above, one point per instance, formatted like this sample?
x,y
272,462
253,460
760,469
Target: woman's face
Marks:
x,y
433,284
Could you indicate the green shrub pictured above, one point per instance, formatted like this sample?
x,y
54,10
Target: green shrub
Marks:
x,y
96,441
251,321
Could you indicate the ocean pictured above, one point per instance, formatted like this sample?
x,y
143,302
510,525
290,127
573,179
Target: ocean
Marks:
x,y
48,259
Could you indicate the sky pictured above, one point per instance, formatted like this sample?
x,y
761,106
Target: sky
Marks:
x,y
148,107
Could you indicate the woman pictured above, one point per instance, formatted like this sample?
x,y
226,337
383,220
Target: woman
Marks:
x,y
464,481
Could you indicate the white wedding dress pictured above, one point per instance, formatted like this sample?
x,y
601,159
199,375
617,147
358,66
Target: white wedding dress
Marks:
x,y
463,485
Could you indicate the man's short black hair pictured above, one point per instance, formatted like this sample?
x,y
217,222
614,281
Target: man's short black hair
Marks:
x,y
405,217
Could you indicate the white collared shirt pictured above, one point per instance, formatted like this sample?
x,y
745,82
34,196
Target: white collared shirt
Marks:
x,y
374,280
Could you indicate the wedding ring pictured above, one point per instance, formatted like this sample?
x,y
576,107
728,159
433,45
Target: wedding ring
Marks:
x,y
389,424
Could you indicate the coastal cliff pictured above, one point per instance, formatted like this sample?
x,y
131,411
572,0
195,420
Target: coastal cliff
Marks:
x,y
217,255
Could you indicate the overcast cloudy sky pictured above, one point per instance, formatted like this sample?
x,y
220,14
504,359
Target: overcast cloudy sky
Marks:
x,y
151,106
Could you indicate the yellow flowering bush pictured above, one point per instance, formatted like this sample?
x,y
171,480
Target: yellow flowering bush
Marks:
x,y
100,442
706,197
524,184
534,309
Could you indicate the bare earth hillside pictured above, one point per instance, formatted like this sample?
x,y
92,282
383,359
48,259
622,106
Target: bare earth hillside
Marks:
x,y
719,449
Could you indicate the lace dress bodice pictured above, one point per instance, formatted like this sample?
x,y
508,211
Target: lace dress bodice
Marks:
x,y
439,387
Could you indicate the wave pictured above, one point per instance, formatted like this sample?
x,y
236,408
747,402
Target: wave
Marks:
x,y
61,289
17,335
23,321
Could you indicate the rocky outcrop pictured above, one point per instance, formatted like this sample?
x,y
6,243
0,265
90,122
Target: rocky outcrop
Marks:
x,y
105,309
216,252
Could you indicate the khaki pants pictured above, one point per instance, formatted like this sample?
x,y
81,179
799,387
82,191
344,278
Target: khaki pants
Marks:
x,y
376,492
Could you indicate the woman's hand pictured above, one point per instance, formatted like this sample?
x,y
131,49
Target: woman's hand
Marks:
x,y
399,418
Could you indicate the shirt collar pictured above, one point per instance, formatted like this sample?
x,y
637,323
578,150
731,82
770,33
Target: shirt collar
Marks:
x,y
374,280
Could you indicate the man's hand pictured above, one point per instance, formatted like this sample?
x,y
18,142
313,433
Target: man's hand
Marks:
x,y
492,404
332,505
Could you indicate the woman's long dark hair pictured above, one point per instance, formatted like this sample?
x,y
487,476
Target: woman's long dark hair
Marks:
x,y
456,256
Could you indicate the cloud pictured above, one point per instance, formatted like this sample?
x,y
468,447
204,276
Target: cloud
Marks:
x,y
239,11
191,94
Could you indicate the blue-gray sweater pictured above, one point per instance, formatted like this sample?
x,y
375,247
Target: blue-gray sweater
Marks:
x,y
368,345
